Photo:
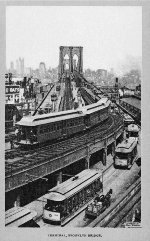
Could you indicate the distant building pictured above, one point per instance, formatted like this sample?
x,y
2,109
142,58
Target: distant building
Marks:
x,y
20,67
102,73
28,71
42,70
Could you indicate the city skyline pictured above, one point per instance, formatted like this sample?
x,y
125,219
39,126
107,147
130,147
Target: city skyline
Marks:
x,y
109,35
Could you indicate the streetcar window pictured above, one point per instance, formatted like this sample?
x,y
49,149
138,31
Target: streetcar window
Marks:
x,y
122,155
134,134
54,206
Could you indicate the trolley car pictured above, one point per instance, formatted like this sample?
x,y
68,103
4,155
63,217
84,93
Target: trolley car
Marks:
x,y
133,130
68,197
126,153
38,129
128,120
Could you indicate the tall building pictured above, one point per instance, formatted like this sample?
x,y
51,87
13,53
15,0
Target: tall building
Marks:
x,y
21,67
42,69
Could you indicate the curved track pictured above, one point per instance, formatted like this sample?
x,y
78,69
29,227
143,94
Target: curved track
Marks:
x,y
40,155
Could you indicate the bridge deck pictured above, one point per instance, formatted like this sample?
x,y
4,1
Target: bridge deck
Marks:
x,y
133,101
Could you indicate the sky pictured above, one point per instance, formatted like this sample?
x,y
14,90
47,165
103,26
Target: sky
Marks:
x,y
109,35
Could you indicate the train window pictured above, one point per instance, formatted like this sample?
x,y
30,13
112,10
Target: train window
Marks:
x,y
58,126
41,130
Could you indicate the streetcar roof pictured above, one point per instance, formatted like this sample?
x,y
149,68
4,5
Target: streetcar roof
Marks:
x,y
72,185
127,145
133,128
102,103
50,118
127,117
17,216
62,115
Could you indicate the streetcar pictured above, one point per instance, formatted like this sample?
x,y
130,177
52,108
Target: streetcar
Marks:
x,y
34,130
128,120
70,196
126,153
133,130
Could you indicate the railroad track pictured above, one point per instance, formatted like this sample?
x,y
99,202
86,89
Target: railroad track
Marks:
x,y
115,213
115,222
89,99
51,151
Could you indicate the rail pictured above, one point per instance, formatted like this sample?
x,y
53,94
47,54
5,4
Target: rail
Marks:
x,y
103,219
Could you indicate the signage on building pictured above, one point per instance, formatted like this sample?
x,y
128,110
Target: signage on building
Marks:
x,y
12,89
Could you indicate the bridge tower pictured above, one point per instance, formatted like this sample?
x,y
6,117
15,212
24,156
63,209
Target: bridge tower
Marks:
x,y
69,64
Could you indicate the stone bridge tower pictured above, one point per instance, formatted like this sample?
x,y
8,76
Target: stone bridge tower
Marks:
x,y
72,64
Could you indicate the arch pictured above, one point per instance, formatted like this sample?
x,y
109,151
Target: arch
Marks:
x,y
66,62
70,58
75,61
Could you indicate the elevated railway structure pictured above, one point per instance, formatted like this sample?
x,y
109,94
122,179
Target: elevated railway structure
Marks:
x,y
54,157
24,167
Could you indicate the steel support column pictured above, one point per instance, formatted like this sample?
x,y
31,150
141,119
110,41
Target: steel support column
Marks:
x,y
71,60
59,178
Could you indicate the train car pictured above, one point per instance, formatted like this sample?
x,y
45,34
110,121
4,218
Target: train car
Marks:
x,y
97,112
42,128
127,120
20,217
70,196
126,153
38,129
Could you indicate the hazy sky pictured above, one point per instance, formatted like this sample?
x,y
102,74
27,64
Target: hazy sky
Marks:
x,y
108,34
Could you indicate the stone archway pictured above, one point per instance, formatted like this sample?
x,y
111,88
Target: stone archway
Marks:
x,y
71,52
75,62
66,62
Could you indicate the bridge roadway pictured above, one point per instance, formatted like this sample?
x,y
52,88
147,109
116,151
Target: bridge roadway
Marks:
x,y
52,158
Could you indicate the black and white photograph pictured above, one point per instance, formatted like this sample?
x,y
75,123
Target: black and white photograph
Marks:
x,y
73,116
73,82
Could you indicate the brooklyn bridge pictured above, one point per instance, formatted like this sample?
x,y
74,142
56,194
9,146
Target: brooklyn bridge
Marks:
x,y
81,134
